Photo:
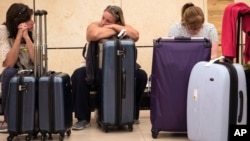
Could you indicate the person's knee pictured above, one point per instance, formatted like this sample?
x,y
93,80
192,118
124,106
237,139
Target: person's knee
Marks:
x,y
79,74
8,73
142,76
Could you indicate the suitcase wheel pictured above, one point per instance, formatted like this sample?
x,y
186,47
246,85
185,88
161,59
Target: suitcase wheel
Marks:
x,y
44,136
130,127
35,134
105,128
10,138
28,137
68,132
61,136
155,133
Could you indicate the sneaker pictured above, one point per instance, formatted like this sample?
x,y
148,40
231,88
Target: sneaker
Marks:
x,y
136,121
79,125
3,127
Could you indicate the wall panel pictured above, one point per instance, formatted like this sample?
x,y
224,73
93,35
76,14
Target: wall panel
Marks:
x,y
68,19
5,4
245,1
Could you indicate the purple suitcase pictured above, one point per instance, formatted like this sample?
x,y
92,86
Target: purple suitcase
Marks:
x,y
173,59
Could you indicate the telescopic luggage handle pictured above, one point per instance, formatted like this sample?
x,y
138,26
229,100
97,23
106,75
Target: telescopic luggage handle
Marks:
x,y
40,43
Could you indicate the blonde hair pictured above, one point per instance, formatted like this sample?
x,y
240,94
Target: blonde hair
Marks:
x,y
116,11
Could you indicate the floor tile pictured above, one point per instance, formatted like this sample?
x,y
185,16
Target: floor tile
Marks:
x,y
141,132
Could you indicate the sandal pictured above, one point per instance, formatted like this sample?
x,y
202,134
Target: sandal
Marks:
x,y
3,127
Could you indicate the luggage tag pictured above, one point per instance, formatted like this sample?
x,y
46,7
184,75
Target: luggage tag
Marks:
x,y
122,34
25,72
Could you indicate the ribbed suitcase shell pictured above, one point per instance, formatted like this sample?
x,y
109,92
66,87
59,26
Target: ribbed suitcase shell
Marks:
x,y
55,104
21,106
172,62
117,106
213,103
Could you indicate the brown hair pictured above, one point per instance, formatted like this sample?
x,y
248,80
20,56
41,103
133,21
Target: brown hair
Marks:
x,y
192,16
16,14
117,13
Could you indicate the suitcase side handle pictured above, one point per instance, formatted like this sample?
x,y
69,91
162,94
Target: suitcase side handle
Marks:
x,y
241,106
123,83
225,59
213,61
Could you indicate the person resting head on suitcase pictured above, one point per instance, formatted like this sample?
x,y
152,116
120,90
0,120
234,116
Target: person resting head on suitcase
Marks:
x,y
193,25
111,24
16,48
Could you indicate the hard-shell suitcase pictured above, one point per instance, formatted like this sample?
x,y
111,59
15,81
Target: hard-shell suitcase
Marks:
x,y
117,63
55,104
1,109
173,59
21,106
216,99
240,46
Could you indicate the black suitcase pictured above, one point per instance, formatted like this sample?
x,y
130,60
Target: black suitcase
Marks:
x,y
21,106
55,104
117,63
1,109
240,46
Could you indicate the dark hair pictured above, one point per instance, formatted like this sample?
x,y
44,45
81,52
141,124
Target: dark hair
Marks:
x,y
16,14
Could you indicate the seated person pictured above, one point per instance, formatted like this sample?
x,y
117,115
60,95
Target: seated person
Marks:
x,y
192,25
111,23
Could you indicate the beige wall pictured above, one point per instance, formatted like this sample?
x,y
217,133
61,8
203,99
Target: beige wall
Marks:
x,y
245,1
67,21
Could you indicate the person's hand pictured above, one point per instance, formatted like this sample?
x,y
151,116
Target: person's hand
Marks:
x,y
23,30
117,28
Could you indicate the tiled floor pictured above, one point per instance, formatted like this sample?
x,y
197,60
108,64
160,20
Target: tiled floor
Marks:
x,y
141,132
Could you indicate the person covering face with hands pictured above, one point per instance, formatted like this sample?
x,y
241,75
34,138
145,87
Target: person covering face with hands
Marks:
x,y
16,49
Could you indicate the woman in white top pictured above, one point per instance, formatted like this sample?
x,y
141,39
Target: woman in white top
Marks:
x,y
16,49
193,25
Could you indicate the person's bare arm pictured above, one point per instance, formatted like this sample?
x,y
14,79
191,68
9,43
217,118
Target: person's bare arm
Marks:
x,y
96,32
130,31
12,55
30,45
214,50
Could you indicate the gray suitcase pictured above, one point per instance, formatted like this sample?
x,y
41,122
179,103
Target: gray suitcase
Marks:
x,y
216,99
117,63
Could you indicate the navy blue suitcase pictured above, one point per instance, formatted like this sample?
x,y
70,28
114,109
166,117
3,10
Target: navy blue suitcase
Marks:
x,y
55,104
117,63
21,106
173,59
